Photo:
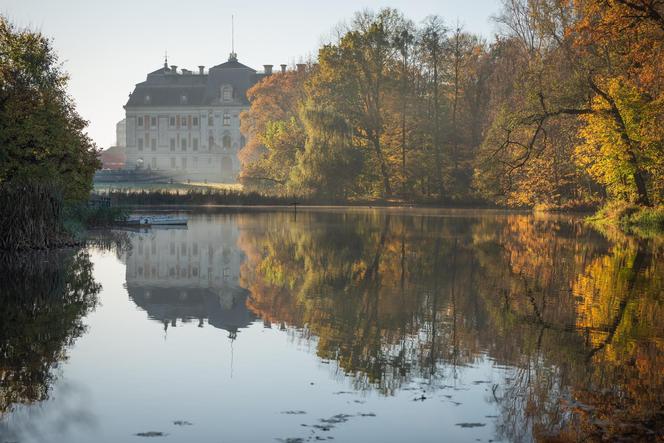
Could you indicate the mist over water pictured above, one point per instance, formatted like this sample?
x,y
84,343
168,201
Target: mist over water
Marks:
x,y
352,325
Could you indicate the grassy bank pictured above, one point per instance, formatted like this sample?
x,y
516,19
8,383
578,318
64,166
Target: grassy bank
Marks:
x,y
568,206
631,218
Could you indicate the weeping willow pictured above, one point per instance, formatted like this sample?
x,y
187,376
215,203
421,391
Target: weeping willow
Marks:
x,y
329,162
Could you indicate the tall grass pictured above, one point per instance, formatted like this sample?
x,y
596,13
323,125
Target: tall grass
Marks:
x,y
31,216
200,196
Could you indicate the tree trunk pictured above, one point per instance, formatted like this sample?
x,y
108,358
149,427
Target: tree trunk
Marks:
x,y
383,166
436,128
403,125
455,131
642,197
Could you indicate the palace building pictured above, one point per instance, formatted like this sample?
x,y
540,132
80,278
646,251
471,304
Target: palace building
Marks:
x,y
185,125
192,274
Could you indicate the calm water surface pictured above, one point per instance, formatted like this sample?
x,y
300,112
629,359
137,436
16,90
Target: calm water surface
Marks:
x,y
341,325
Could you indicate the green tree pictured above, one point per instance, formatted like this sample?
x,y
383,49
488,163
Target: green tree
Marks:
x,y
42,136
329,162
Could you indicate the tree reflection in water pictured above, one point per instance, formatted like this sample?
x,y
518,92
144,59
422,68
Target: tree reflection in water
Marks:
x,y
43,299
573,315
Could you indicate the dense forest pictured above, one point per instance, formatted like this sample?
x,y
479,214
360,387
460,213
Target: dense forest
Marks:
x,y
563,108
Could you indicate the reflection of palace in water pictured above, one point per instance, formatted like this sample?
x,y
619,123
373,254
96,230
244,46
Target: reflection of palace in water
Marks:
x,y
189,274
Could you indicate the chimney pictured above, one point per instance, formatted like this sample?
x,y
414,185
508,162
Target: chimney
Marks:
x,y
283,69
268,69
301,67
174,68
201,70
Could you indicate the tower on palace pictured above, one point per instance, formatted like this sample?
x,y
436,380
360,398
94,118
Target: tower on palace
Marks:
x,y
186,125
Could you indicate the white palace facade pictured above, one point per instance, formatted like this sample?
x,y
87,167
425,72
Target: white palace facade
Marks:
x,y
186,125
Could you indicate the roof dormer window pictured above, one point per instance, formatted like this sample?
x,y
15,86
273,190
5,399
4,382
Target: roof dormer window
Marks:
x,y
183,99
227,93
147,99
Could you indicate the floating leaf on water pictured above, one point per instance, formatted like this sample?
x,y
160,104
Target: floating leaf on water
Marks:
x,y
150,434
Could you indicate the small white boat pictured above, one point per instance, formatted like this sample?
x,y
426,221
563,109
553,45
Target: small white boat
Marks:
x,y
156,220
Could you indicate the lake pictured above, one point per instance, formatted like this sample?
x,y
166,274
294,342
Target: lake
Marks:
x,y
344,325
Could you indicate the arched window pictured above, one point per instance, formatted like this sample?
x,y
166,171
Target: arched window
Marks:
x,y
226,141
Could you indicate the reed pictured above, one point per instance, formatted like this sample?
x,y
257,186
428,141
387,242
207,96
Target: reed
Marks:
x,y
31,216
197,197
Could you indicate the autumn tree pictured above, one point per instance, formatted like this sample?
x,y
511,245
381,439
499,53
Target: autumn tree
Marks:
x,y
621,44
353,79
563,109
274,130
432,41
600,51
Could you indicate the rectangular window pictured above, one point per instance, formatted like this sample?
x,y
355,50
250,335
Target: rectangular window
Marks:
x,y
227,119
172,144
184,162
172,162
140,144
195,122
183,121
210,120
210,142
227,93
195,162
153,144
194,144
140,122
171,122
154,162
153,122
183,144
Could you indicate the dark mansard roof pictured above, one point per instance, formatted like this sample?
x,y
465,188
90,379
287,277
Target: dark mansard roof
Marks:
x,y
167,304
166,87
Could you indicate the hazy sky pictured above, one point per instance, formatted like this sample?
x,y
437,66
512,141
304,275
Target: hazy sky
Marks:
x,y
108,46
